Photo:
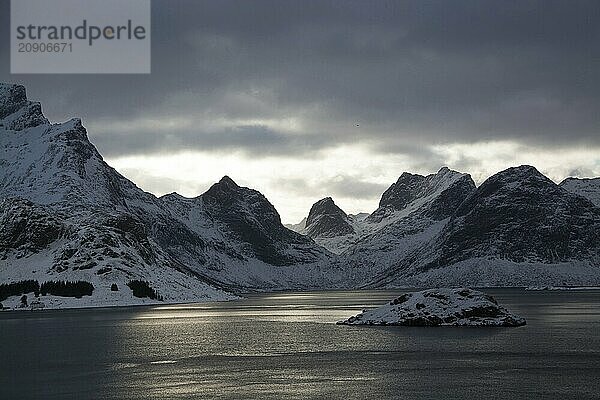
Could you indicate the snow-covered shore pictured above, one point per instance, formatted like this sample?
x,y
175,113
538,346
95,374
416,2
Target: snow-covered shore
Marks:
x,y
108,299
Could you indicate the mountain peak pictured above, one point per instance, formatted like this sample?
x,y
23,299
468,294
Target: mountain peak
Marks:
x,y
228,182
326,219
443,191
521,215
521,170
16,111
522,175
226,188
324,206
253,220
408,175
523,183
12,98
325,201
410,186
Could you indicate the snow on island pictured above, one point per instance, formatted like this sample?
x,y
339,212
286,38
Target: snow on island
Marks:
x,y
439,307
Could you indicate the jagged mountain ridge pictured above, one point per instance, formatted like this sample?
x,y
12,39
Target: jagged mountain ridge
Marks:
x,y
442,192
517,224
253,220
16,111
64,208
517,228
412,211
54,168
433,197
65,213
520,214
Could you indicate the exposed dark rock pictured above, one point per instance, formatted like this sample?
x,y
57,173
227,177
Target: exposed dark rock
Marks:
x,y
12,99
442,192
16,112
28,226
520,215
326,219
251,218
103,270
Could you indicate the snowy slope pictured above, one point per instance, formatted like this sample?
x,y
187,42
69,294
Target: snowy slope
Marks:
x,y
411,212
299,227
408,203
68,215
516,229
246,244
586,187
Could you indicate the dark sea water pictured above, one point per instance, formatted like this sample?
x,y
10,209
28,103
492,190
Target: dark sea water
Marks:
x,y
286,345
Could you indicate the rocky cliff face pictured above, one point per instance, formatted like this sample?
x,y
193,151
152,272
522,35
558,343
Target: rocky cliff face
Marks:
x,y
326,219
411,212
406,210
16,112
249,217
522,216
518,227
440,193
71,215
27,227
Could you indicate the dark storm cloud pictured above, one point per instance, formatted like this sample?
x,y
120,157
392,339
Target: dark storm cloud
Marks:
x,y
408,74
339,186
253,139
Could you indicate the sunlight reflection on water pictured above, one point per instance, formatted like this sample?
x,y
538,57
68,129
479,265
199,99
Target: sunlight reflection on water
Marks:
x,y
286,345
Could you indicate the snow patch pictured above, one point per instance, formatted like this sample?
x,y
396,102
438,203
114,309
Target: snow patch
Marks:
x,y
439,307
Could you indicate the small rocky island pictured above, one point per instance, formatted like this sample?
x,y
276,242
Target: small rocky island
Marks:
x,y
439,307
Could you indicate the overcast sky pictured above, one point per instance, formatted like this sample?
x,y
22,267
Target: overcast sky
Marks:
x,y
307,99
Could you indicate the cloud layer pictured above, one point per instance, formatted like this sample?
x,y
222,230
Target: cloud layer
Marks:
x,y
283,84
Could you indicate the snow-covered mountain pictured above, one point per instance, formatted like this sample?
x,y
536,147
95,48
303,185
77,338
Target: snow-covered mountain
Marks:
x,y
244,244
329,226
67,215
326,219
412,198
517,228
411,212
586,187
439,194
